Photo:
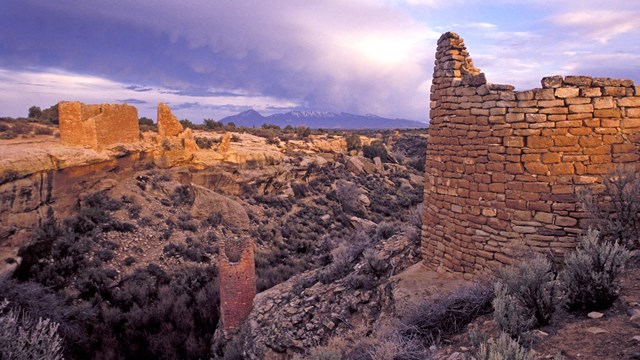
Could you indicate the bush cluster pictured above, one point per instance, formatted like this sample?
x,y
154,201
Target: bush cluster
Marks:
x,y
590,275
150,314
525,295
22,337
503,348
448,315
615,212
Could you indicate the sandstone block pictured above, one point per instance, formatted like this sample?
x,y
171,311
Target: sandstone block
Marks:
x,y
527,104
565,92
629,101
633,112
539,142
525,95
581,131
535,118
552,82
168,124
623,148
585,180
514,141
580,116
586,108
562,169
544,94
566,221
550,103
584,81
569,123
577,101
615,91
524,229
514,117
544,217
605,81
590,141
550,158
606,102
554,110
626,157
591,92
630,123
536,168
514,168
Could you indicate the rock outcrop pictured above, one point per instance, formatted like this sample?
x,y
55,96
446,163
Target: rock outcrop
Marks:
x,y
168,124
97,126
303,312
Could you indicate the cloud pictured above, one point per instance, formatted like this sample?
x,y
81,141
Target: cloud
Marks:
x,y
55,85
599,25
132,101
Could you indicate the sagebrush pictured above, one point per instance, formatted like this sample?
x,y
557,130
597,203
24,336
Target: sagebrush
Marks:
x,y
590,278
22,337
614,211
526,295
503,348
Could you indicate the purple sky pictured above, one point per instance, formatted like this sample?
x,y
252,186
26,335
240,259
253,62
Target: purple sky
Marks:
x,y
209,59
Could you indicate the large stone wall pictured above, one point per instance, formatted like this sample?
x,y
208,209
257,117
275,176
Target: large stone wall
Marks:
x,y
97,126
504,166
237,282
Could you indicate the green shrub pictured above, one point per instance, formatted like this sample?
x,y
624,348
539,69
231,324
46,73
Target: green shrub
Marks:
x,y
376,149
590,275
529,285
204,142
347,194
354,142
503,348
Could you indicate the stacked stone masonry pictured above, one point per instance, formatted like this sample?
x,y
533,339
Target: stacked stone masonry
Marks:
x,y
237,282
97,126
504,167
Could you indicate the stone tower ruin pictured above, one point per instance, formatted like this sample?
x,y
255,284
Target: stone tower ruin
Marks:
x,y
97,126
237,282
505,166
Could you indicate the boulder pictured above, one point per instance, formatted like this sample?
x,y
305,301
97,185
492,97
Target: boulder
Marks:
x,y
208,202
359,165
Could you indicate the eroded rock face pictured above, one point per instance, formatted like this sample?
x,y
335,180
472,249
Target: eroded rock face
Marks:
x,y
97,126
168,124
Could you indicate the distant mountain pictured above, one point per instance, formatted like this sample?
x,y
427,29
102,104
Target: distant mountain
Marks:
x,y
321,119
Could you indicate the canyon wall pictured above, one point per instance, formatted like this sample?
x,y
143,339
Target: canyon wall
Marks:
x,y
97,126
504,167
